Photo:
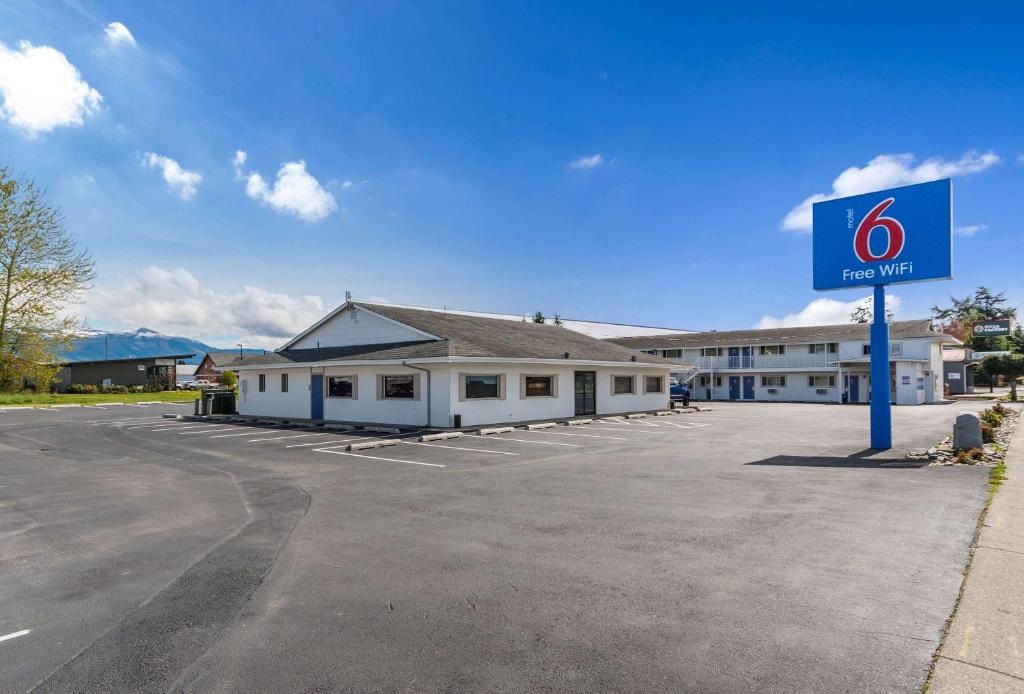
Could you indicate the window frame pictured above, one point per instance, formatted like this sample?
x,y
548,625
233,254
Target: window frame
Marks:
x,y
661,385
865,349
261,383
896,349
354,381
552,383
766,381
710,351
284,382
766,350
830,380
632,384
671,354
464,391
382,380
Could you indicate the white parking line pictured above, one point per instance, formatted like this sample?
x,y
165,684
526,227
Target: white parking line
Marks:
x,y
632,430
687,425
317,443
376,457
190,426
14,635
204,431
459,448
290,436
245,433
589,436
499,437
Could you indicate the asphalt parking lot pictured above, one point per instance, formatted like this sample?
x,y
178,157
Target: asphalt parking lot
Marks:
x,y
749,547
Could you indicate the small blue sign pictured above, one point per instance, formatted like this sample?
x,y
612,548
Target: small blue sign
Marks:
x,y
893,236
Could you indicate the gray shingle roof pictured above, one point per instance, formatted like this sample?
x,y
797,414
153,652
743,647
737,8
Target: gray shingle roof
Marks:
x,y
463,336
901,329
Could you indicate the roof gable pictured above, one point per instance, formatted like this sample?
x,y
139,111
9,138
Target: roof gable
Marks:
x,y
355,324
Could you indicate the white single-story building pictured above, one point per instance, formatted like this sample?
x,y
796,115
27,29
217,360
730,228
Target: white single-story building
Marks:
x,y
820,363
404,366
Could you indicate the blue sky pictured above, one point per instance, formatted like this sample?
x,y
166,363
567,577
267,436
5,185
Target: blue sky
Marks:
x,y
603,161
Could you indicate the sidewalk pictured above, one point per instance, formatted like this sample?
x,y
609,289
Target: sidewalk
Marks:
x,y
984,650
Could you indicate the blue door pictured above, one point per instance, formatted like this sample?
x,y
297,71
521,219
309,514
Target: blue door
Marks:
x,y
748,359
734,357
748,387
734,387
854,389
316,395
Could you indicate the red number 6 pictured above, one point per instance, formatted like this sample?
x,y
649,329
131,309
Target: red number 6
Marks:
x,y
893,228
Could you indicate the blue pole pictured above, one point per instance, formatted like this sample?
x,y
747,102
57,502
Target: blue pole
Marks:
x,y
881,413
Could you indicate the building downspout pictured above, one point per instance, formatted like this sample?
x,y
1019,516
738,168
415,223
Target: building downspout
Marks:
x,y
427,371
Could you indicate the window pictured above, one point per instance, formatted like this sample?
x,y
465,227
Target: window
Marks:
x,y
711,351
865,350
821,381
773,350
705,381
262,383
622,385
672,353
822,347
896,349
773,381
652,384
398,387
284,383
538,386
482,387
341,386
833,347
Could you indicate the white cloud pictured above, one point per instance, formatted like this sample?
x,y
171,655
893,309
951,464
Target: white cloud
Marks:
x,y
118,35
41,90
294,191
887,171
588,162
827,311
174,301
182,181
970,230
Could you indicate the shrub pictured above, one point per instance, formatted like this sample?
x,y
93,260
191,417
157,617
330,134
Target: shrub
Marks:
x,y
82,389
998,408
987,433
977,453
968,456
993,417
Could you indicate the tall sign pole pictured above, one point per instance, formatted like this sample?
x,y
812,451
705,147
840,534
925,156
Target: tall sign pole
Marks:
x,y
893,236
881,406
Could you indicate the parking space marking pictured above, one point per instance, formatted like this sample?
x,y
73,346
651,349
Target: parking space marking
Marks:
x,y
632,430
204,431
458,448
377,457
190,426
246,433
290,436
687,425
14,635
589,436
317,443
499,437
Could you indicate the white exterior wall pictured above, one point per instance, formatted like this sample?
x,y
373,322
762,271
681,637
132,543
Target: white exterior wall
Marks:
x,y
638,402
368,407
357,327
273,403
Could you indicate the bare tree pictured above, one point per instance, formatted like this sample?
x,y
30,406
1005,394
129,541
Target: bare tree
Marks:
x,y
41,272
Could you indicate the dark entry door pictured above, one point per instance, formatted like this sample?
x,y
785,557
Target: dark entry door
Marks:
x,y
734,357
748,387
316,396
734,387
854,389
586,392
748,358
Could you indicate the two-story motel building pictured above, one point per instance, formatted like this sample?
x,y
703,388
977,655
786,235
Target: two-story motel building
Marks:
x,y
827,363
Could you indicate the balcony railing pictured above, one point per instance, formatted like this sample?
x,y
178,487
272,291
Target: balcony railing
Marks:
x,y
765,361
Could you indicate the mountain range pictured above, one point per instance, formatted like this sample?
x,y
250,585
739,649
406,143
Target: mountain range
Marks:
x,y
98,344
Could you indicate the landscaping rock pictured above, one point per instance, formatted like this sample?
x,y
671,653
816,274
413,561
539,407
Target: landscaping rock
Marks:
x,y
967,432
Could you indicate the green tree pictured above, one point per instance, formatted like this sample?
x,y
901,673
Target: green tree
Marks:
x,y
1009,366
41,272
1016,341
983,304
228,379
538,317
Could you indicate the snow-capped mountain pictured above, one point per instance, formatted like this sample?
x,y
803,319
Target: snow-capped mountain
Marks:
x,y
99,344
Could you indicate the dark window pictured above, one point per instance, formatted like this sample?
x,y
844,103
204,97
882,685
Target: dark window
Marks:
x,y
622,385
652,384
773,349
399,387
672,353
539,386
263,383
865,349
284,383
483,387
339,386
833,347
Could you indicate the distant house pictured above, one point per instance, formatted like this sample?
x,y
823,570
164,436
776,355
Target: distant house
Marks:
x,y
136,371
958,371
186,372
207,368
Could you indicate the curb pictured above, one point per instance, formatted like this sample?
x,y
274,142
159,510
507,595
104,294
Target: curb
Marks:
x,y
442,436
542,425
495,430
578,422
366,445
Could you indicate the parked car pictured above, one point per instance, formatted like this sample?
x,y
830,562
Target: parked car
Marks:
x,y
675,389
202,383
185,385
